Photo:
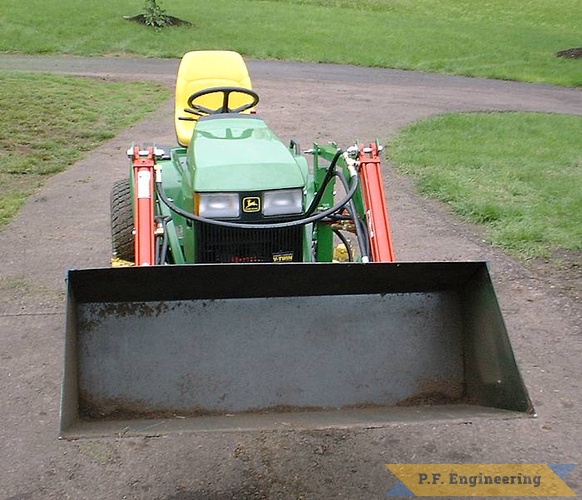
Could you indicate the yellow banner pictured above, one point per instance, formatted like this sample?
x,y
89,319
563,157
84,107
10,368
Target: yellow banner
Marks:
x,y
480,480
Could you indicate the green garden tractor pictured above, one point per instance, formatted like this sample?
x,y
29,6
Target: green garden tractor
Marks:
x,y
254,284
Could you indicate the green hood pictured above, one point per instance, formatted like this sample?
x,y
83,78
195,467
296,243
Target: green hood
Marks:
x,y
240,153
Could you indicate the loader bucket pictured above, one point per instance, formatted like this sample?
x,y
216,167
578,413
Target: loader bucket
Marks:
x,y
151,349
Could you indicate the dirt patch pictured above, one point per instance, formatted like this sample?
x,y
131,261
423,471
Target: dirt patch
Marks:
x,y
437,392
575,53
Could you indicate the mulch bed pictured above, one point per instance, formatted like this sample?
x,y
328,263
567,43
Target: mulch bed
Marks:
x,y
169,20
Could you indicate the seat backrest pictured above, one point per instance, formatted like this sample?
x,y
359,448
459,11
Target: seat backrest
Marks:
x,y
201,70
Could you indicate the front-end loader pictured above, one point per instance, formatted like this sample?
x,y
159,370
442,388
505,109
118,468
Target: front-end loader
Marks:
x,y
255,284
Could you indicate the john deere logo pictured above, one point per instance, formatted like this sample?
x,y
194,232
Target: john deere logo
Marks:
x,y
251,204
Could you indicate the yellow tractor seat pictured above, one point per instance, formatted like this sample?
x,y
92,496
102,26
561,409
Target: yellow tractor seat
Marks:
x,y
200,70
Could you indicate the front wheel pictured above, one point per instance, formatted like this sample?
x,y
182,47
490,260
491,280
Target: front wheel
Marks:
x,y
122,238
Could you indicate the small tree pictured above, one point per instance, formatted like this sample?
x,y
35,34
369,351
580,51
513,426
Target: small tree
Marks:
x,y
154,15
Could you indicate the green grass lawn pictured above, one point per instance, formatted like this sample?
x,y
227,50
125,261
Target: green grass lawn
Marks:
x,y
514,40
49,121
518,174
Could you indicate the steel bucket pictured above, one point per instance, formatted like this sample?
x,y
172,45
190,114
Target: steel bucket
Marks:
x,y
236,346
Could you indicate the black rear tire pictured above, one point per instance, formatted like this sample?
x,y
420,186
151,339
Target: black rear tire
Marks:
x,y
122,238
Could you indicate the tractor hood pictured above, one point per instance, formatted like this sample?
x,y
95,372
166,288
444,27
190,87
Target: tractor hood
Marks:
x,y
240,153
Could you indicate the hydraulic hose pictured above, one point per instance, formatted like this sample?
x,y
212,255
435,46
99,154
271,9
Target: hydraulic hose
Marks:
x,y
329,175
162,247
164,252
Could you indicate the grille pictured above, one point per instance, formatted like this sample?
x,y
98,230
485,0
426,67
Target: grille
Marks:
x,y
223,244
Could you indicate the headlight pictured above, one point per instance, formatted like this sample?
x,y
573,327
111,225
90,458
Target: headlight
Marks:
x,y
218,205
283,202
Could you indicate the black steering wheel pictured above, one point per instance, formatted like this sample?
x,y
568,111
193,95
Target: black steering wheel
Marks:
x,y
197,109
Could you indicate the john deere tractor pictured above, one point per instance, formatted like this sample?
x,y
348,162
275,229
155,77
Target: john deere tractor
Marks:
x,y
251,278
233,192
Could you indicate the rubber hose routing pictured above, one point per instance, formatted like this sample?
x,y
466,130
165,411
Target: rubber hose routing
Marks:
x,y
329,175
